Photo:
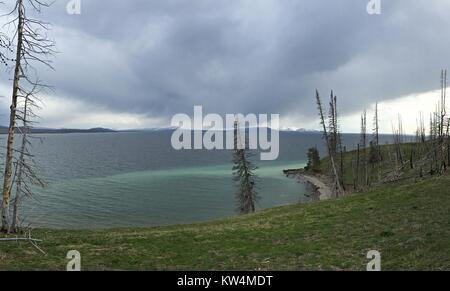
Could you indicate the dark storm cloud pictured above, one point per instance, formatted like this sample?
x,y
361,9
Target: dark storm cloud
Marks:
x,y
163,57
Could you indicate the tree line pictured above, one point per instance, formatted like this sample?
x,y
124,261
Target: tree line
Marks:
x,y
370,163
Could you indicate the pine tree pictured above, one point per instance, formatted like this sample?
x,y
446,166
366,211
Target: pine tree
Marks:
x,y
244,175
314,162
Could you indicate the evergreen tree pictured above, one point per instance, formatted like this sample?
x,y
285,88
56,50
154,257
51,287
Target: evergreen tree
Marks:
x,y
244,175
313,160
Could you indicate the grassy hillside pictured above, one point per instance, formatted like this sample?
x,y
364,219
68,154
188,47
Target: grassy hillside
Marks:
x,y
412,154
408,224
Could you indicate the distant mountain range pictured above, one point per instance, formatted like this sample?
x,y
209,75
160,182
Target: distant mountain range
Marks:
x,y
301,130
42,130
4,130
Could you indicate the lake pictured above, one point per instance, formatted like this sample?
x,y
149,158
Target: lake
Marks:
x,y
104,180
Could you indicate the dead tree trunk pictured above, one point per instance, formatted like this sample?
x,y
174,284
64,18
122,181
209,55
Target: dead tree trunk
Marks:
x,y
32,47
363,144
358,162
338,189
20,165
7,180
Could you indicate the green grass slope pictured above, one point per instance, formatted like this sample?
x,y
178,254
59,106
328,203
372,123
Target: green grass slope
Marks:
x,y
408,224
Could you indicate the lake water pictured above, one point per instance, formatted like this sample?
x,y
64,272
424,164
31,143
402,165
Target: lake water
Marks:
x,y
137,179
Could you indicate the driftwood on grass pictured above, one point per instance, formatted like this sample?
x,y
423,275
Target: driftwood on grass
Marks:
x,y
34,242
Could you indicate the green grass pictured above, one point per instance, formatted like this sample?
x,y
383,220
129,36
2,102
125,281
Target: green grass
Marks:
x,y
408,223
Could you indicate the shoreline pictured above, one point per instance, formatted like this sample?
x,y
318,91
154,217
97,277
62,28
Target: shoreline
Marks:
x,y
317,183
214,245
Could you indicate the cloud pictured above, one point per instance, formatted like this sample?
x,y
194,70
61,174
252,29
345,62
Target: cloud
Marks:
x,y
153,59
66,114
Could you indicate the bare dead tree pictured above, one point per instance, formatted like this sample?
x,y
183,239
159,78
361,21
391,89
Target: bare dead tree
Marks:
x,y
335,137
354,175
376,132
376,157
337,188
398,140
431,132
432,143
340,148
443,137
422,132
26,174
358,162
363,147
438,151
420,145
396,156
443,111
332,130
33,49
448,141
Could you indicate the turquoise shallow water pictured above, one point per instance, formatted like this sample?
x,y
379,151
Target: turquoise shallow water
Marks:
x,y
157,197
137,179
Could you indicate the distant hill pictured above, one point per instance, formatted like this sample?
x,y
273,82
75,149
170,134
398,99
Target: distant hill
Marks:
x,y
301,130
4,130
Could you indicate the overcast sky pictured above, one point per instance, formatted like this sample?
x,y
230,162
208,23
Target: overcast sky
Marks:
x,y
134,64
